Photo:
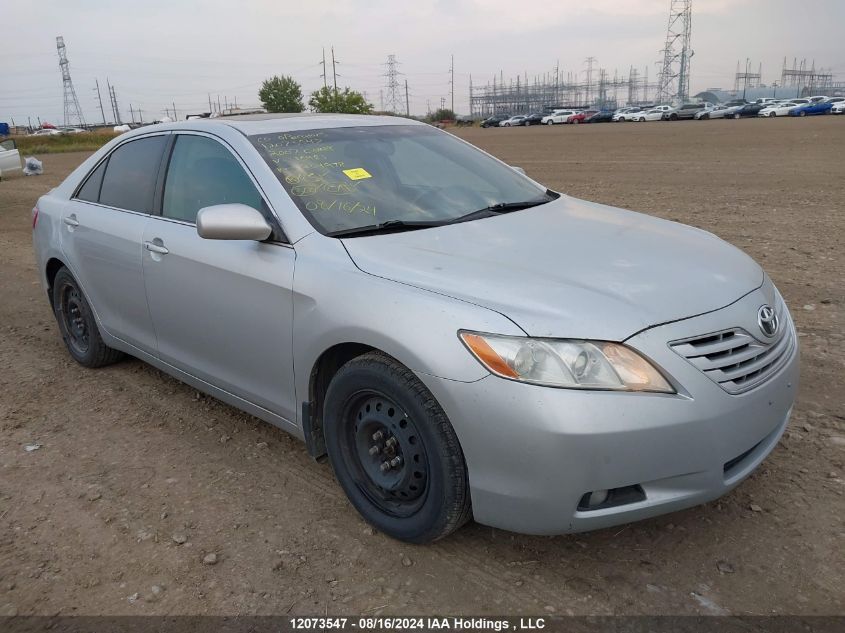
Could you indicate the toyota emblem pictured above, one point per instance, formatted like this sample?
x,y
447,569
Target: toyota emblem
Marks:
x,y
767,319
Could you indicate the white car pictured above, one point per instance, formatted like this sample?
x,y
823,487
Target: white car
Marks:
x,y
558,116
778,109
647,115
513,121
10,159
838,108
628,114
47,131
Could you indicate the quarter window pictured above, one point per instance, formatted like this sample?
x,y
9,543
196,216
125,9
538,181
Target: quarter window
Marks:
x,y
130,176
90,191
203,173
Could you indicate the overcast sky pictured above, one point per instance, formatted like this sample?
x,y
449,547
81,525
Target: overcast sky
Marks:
x,y
156,52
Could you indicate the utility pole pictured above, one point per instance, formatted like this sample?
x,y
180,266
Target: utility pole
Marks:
x,y
393,94
71,103
745,84
407,100
132,113
210,109
452,81
175,118
100,99
219,111
334,78
325,78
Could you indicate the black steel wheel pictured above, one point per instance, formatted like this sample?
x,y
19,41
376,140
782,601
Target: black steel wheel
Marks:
x,y
77,324
394,451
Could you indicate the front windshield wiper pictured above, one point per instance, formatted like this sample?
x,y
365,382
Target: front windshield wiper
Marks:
x,y
503,207
390,226
386,227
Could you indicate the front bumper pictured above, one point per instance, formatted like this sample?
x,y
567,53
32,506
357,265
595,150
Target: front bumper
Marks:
x,y
533,452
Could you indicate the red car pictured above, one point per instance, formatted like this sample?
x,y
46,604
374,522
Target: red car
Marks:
x,y
579,118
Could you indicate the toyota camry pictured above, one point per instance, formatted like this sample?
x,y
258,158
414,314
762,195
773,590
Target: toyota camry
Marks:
x,y
459,340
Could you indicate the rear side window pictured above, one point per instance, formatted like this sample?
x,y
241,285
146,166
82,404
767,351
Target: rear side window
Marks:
x,y
90,191
203,173
130,178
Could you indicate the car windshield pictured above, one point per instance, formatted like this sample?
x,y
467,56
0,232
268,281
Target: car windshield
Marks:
x,y
342,179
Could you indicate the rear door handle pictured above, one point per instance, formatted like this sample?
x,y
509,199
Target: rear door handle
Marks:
x,y
71,220
155,248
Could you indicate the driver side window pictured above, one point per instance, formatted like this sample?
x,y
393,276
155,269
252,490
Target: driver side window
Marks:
x,y
202,173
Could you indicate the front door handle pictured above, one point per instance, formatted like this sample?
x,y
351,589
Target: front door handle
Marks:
x,y
155,248
71,220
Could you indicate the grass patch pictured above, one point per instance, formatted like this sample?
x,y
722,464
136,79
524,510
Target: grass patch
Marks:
x,y
86,142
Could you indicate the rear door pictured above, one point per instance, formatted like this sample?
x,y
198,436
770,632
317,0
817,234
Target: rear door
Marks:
x,y
222,309
102,229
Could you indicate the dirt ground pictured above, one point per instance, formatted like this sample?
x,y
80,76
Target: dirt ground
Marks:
x,y
133,462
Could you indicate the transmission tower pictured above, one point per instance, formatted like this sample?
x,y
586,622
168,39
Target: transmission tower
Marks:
x,y
393,100
673,80
72,109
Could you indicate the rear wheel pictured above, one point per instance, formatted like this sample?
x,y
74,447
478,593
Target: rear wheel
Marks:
x,y
575,121
736,116
77,324
394,451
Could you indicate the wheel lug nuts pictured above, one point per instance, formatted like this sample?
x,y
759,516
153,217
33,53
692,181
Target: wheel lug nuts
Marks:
x,y
377,436
375,450
396,461
391,442
385,467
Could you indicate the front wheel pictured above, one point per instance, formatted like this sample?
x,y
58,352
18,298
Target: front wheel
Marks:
x,y
394,451
771,114
77,324
550,122
736,116
802,113
575,122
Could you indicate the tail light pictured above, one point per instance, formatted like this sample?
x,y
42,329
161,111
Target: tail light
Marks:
x,y
34,217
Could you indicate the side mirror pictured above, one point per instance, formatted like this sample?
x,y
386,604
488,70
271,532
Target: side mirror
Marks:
x,y
519,169
232,222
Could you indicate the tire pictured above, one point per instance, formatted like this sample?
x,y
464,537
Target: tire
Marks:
x,y
77,324
673,117
550,122
802,113
772,114
705,116
641,119
737,116
426,495
575,121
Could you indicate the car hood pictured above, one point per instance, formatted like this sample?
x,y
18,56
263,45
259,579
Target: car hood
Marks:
x,y
568,268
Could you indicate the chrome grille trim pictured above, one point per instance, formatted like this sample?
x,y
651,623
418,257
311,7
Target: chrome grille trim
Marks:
x,y
734,359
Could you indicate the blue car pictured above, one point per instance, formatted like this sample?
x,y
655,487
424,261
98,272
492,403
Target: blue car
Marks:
x,y
822,107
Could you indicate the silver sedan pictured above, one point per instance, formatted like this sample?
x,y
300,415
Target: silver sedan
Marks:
x,y
459,340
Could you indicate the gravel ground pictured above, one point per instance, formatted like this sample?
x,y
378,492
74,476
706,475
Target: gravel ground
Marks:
x,y
145,497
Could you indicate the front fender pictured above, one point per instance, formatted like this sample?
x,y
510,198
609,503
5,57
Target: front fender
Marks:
x,y
335,303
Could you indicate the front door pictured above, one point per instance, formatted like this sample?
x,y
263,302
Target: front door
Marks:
x,y
222,310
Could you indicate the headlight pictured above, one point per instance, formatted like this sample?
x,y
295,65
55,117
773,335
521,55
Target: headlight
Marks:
x,y
566,363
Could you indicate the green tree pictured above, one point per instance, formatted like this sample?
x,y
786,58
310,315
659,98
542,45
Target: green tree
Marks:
x,y
281,94
345,101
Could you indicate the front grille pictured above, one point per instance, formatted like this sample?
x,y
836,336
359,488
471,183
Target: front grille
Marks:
x,y
734,359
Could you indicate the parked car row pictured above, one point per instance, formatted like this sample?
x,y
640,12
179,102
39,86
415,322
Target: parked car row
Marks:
x,y
736,109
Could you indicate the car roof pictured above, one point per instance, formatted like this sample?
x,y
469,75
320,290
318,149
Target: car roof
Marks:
x,y
271,123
